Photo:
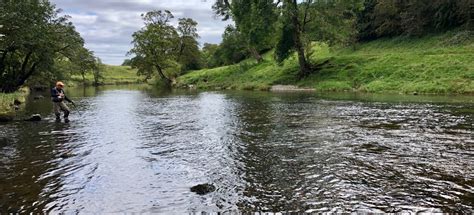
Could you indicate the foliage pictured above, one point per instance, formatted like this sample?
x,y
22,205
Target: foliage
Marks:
x,y
331,21
293,31
207,53
32,38
83,62
255,20
127,62
231,50
159,47
387,18
98,72
189,56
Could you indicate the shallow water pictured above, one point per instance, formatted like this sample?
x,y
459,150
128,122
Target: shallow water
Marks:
x,y
129,149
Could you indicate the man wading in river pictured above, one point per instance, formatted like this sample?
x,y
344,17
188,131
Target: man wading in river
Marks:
x,y
58,96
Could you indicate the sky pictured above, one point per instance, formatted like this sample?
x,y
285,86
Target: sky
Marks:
x,y
107,25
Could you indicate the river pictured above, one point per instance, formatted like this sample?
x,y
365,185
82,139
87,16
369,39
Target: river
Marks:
x,y
135,149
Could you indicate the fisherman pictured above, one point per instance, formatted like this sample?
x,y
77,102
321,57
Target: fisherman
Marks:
x,y
58,96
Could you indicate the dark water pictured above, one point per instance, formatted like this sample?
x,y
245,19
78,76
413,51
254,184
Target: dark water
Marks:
x,y
139,150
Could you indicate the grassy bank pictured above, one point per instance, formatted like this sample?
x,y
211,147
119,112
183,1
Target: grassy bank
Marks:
x,y
7,103
112,75
432,64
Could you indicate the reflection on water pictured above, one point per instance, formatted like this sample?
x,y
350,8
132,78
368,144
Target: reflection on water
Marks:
x,y
140,150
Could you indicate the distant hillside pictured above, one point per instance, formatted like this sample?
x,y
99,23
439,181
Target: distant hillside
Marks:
x,y
114,75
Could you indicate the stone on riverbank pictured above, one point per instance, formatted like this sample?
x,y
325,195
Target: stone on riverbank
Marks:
x,y
284,88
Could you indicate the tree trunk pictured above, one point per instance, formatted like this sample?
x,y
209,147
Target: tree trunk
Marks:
x,y
83,78
14,84
471,17
25,77
165,79
304,65
2,61
256,55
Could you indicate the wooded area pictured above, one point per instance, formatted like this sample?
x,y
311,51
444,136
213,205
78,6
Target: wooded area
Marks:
x,y
38,43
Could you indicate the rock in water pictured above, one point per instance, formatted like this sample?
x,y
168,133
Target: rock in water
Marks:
x,y
203,189
6,118
38,97
34,118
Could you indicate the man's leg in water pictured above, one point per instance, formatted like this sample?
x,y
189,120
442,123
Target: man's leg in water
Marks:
x,y
66,111
57,110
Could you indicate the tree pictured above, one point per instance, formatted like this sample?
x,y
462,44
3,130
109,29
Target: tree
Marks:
x,y
331,21
98,72
83,62
208,51
387,18
32,37
127,62
188,56
365,21
156,46
291,36
232,48
254,19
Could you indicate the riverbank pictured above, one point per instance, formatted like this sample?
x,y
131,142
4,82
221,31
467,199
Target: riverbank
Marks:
x,y
11,102
112,75
436,64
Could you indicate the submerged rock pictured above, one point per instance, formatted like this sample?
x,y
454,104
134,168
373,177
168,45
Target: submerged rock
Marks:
x,y
4,141
34,118
203,189
38,97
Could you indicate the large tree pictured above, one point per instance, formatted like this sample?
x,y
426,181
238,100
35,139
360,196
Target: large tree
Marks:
x,y
157,46
83,62
32,37
254,19
98,71
188,56
291,35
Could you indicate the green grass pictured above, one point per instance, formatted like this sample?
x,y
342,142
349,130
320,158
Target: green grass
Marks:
x,y
438,64
113,75
7,99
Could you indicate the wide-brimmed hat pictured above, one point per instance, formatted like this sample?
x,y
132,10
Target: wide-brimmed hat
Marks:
x,y
59,83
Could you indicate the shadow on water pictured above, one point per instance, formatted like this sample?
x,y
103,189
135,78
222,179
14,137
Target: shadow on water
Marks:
x,y
139,149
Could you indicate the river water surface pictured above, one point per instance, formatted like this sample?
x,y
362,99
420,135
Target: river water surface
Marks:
x,y
129,149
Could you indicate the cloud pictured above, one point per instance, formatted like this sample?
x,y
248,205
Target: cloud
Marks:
x,y
107,25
